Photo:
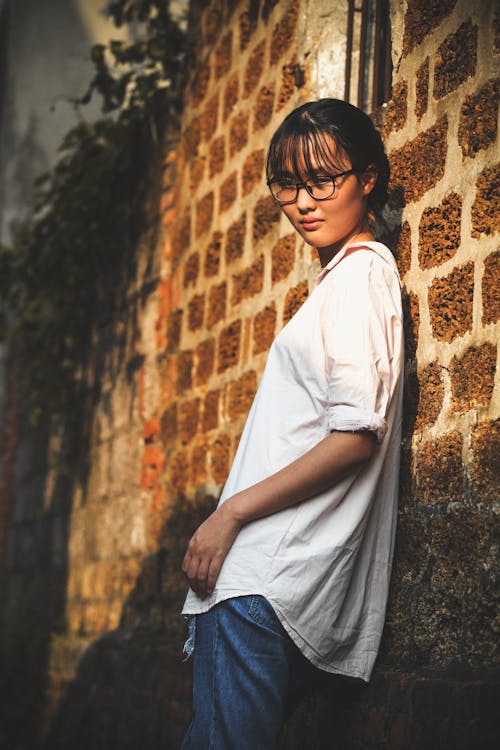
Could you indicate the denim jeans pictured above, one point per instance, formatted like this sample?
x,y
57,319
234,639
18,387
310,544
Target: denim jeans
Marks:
x,y
243,665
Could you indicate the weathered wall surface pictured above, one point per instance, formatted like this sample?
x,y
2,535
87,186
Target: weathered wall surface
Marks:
x,y
215,283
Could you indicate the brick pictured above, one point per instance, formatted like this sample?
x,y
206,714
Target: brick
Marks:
x,y
229,346
403,249
265,217
208,120
419,165
291,78
238,132
192,138
430,396
439,232
283,258
216,304
189,413
440,473
199,464
196,310
204,213
264,328
422,89
212,256
199,84
477,127
197,172
228,192
254,68
295,297
411,324
248,23
491,288
284,33
263,110
455,60
249,282
485,211
450,303
235,240
212,21
223,56
179,472
168,425
174,328
184,370
191,269
485,465
219,458
181,237
422,16
153,462
252,171
395,113
241,394
231,94
217,156
472,377
205,360
210,419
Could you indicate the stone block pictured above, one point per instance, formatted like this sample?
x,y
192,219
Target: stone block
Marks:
x,y
199,464
491,288
220,450
231,94
212,255
196,172
265,217
174,329
216,304
199,85
439,232
168,425
191,269
181,237
235,240
247,24
196,311
241,393
249,282
212,22
205,358
439,470
254,68
472,377
430,395
179,472
394,117
403,249
455,60
291,78
422,89
485,211
191,138
295,297
485,465
283,34
451,534
184,371
189,413
229,346
450,303
252,171
217,158
477,127
264,327
210,419
223,56
263,110
228,192
208,120
238,132
283,258
422,16
204,213
419,164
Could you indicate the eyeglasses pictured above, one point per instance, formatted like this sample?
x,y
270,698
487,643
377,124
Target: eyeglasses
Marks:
x,y
320,188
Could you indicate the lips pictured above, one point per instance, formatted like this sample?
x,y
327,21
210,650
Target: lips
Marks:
x,y
310,223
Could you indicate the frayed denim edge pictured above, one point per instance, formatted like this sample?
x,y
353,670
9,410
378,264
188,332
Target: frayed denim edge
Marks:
x,y
190,643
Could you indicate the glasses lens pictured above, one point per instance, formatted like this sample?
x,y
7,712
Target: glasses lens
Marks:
x,y
283,191
321,188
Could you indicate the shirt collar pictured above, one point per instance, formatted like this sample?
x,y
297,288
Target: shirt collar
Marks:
x,y
377,247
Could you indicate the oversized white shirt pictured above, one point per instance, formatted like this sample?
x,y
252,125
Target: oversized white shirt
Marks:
x,y
324,564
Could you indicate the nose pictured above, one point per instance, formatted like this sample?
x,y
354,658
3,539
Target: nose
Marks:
x,y
305,202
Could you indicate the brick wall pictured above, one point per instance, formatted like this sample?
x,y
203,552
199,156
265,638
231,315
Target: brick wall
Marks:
x,y
219,273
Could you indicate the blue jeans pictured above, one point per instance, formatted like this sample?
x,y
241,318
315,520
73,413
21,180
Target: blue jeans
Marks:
x,y
244,662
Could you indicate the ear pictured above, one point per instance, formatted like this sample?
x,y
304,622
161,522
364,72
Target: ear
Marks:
x,y
369,178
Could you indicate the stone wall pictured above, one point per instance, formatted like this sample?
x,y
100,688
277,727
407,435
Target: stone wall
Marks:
x,y
218,274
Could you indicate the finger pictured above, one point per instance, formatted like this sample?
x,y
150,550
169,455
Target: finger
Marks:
x,y
213,573
201,578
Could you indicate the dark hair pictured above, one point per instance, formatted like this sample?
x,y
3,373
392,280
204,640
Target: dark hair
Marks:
x,y
305,136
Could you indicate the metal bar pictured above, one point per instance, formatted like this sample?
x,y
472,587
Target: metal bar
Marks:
x,y
362,54
378,51
348,54
387,54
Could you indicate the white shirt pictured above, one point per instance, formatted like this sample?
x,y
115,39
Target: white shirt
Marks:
x,y
324,564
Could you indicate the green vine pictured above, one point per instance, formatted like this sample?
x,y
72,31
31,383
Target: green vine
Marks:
x,y
70,265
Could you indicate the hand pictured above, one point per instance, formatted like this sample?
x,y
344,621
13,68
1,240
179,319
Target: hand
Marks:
x,y
208,548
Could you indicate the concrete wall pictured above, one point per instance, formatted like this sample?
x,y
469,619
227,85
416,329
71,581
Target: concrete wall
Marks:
x,y
219,274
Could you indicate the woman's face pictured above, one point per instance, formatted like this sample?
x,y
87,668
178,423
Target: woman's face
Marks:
x,y
329,224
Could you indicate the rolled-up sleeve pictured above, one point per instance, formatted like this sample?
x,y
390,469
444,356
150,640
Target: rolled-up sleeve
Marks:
x,y
361,334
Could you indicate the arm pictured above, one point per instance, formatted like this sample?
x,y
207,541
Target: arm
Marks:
x,y
323,466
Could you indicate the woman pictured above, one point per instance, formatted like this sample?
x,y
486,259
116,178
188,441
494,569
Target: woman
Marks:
x,y
294,563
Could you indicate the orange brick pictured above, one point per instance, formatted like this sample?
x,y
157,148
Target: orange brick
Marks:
x,y
265,218
491,288
450,303
241,394
228,192
210,420
219,458
208,120
191,269
264,329
422,89
419,165
217,156
439,232
485,212
252,171
283,258
188,420
263,110
196,310
295,297
249,282
284,33
238,132
455,60
236,239
216,304
212,257
440,472
231,93
229,346
205,358
223,55
430,396
472,377
204,213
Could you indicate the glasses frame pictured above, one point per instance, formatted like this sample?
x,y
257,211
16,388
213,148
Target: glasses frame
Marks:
x,y
299,185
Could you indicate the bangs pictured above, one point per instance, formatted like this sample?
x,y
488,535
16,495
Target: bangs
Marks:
x,y
305,152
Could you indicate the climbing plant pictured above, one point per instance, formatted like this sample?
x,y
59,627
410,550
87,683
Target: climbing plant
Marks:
x,y
71,263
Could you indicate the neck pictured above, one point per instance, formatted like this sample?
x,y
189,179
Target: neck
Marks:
x,y
326,254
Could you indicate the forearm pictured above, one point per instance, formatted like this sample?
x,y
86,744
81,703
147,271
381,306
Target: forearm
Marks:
x,y
320,468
